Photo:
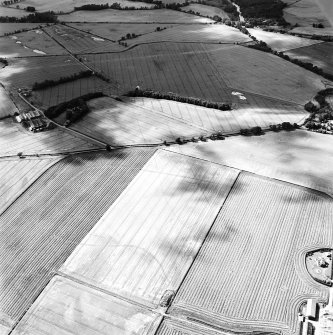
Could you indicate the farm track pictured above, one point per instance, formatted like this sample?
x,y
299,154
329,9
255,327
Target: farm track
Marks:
x,y
46,236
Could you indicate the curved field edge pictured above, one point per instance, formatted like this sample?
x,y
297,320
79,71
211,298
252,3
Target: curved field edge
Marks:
x,y
44,225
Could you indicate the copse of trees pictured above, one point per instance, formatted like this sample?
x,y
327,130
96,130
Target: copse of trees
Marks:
x,y
92,7
44,17
175,97
4,61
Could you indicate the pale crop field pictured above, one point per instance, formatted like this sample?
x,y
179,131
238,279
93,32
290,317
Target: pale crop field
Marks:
x,y
146,241
24,72
206,10
183,68
44,225
10,28
16,139
16,175
318,54
115,31
281,42
217,33
126,16
293,157
80,42
251,272
94,312
7,106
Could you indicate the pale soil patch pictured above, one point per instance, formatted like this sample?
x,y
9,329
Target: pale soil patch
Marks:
x,y
16,175
7,106
6,28
4,330
263,73
14,139
195,33
294,157
66,306
115,31
206,10
261,231
146,241
126,16
281,42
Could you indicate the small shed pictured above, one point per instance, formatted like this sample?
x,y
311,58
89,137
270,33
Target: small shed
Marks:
x,y
311,307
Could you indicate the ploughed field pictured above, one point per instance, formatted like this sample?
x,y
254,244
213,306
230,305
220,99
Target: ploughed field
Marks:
x,y
250,273
44,225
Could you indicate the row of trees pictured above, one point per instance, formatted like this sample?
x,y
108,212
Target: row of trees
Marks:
x,y
43,17
175,97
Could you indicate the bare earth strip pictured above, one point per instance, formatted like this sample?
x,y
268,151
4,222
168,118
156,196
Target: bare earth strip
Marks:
x,y
147,240
68,307
249,274
16,175
294,157
36,237
14,139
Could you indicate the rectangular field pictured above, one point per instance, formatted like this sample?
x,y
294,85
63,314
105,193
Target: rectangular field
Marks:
x,y
7,106
44,225
9,48
12,28
183,68
16,175
148,238
250,273
68,307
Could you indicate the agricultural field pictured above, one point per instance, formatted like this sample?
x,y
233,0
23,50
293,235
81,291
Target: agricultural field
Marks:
x,y
104,314
7,11
183,68
217,33
293,157
7,106
250,273
24,72
254,111
16,175
115,31
44,225
12,28
127,16
318,54
146,241
9,48
281,42
80,42
204,10
15,139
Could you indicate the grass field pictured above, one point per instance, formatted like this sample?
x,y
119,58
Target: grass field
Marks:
x,y
293,157
183,68
250,273
206,10
217,33
24,72
36,237
10,28
7,106
7,11
146,241
79,42
281,42
90,312
115,31
16,175
9,48
127,16
15,139
318,54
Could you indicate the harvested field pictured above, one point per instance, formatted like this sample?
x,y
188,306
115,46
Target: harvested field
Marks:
x,y
15,139
16,175
183,68
250,273
318,54
266,74
7,106
115,31
24,72
146,241
94,312
79,42
293,157
127,16
36,237
281,42
12,28
206,10
217,33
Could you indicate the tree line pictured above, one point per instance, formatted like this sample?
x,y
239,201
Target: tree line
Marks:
x,y
44,17
158,5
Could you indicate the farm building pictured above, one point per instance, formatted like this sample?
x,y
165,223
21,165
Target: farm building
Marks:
x,y
311,306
